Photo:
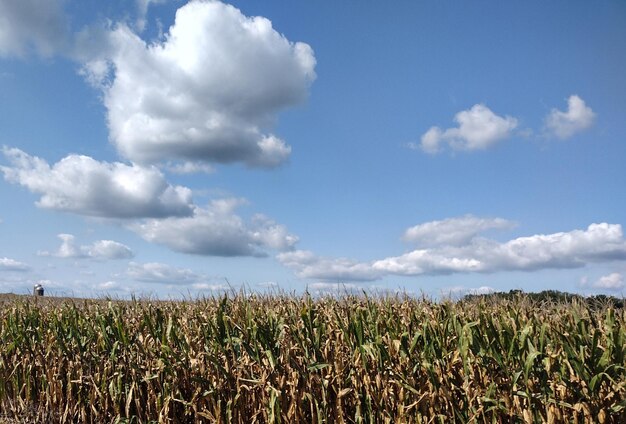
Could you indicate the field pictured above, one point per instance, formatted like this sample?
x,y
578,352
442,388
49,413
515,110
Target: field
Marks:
x,y
281,358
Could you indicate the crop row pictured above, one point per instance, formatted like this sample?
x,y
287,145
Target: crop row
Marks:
x,y
282,358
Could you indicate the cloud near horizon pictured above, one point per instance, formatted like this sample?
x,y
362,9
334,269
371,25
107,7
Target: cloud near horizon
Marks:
x,y
8,264
98,250
306,264
159,273
598,243
208,92
460,291
612,282
453,231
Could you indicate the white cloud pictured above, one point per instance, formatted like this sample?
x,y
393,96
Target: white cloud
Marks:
x,y
99,250
266,232
479,128
159,273
325,288
109,249
453,231
461,291
108,286
598,243
431,140
216,230
7,264
578,117
429,262
308,265
321,285
211,286
32,24
67,249
614,281
208,92
189,168
84,186
142,10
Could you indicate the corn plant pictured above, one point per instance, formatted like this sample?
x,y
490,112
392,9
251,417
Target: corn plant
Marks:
x,y
282,358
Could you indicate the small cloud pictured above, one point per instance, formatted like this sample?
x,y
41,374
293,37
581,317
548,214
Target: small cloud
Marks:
x,y
108,249
453,231
479,128
577,118
613,282
67,249
460,291
323,288
211,287
7,264
413,145
142,11
189,168
159,273
99,250
108,286
308,265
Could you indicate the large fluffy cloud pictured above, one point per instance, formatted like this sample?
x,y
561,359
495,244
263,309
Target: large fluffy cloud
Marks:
x,y
209,91
479,128
217,231
84,186
27,24
99,250
598,243
577,118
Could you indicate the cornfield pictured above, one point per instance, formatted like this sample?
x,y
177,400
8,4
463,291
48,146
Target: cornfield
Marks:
x,y
284,358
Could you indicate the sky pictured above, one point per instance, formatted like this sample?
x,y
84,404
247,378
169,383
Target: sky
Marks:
x,y
172,149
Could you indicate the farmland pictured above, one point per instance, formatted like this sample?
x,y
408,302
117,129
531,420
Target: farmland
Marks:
x,y
286,358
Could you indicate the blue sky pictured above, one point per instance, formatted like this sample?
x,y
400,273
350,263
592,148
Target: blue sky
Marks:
x,y
168,148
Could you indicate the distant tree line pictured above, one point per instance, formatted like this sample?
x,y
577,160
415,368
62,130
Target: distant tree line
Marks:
x,y
551,296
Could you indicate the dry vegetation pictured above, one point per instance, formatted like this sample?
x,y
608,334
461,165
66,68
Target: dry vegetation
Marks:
x,y
297,359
